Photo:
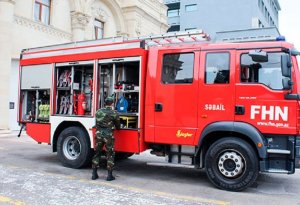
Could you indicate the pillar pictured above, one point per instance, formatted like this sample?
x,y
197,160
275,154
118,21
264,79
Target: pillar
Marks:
x,y
79,22
6,41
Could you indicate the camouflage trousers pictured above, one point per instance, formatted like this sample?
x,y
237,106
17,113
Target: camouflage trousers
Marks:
x,y
109,143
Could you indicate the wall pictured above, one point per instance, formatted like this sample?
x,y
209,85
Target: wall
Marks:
x,y
213,15
6,22
13,98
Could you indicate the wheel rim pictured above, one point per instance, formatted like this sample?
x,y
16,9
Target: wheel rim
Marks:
x,y
71,147
231,164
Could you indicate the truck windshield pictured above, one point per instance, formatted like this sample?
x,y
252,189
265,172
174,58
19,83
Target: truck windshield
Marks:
x,y
268,73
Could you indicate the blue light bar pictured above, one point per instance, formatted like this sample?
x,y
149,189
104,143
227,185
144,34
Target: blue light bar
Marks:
x,y
280,38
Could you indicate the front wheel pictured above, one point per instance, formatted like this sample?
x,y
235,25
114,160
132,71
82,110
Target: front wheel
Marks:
x,y
231,164
73,147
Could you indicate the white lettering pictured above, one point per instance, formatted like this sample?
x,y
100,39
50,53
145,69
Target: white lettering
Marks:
x,y
214,107
265,112
276,113
254,110
283,114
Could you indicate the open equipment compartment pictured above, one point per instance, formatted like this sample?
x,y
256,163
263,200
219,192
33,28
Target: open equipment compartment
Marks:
x,y
35,93
120,78
74,88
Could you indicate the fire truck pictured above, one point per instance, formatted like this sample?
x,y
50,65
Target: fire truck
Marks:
x,y
231,108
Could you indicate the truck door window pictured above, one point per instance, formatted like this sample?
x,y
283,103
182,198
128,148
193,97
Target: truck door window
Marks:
x,y
178,68
268,73
217,68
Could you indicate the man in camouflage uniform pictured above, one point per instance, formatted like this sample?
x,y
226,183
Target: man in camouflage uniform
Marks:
x,y
106,120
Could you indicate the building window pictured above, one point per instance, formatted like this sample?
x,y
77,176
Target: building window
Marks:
x,y
217,68
173,13
178,68
173,10
189,29
260,25
42,11
174,28
99,29
260,4
266,12
191,7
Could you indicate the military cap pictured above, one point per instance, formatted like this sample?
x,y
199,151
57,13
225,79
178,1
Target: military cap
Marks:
x,y
109,100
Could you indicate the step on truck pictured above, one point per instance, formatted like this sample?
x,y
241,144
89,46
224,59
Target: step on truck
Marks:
x,y
231,108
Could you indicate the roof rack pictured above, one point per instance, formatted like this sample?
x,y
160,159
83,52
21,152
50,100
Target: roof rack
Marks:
x,y
175,37
154,40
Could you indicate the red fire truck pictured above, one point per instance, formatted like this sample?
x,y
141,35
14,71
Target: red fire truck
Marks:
x,y
232,108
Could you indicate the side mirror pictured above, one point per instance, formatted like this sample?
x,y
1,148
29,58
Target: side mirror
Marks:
x,y
286,65
259,56
286,84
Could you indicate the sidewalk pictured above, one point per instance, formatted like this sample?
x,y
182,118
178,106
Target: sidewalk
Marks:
x,y
5,131
11,132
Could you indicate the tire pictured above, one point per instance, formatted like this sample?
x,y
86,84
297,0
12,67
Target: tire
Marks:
x,y
73,147
231,164
123,155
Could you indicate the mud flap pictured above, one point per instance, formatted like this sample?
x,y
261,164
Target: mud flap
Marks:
x,y
297,155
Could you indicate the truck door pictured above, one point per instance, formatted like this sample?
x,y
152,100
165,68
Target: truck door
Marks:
x,y
217,91
260,94
175,104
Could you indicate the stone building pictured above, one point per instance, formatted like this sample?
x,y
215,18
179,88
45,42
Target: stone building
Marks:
x,y
33,23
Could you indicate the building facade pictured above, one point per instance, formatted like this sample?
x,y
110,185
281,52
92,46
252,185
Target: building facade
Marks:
x,y
214,15
34,23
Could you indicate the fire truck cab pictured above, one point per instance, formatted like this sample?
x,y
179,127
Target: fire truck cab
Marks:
x,y
231,108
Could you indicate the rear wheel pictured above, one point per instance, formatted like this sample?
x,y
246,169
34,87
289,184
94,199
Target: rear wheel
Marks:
x,y
231,164
73,147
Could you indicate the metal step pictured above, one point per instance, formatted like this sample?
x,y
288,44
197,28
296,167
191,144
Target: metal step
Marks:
x,y
165,164
278,151
282,171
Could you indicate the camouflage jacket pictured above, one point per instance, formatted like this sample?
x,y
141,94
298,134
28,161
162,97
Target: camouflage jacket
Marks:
x,y
106,120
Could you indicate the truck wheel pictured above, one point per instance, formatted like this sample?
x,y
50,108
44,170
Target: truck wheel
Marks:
x,y
73,147
231,164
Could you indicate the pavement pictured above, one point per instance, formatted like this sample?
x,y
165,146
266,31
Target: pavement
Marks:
x,y
31,174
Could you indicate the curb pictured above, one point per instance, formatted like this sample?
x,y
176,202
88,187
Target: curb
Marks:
x,y
5,132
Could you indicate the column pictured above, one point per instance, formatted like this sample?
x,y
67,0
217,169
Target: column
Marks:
x,y
79,22
6,41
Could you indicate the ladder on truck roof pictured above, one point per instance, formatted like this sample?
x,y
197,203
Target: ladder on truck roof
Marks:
x,y
151,40
175,37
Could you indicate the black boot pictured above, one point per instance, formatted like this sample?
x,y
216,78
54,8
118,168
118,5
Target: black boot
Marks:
x,y
110,177
95,174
